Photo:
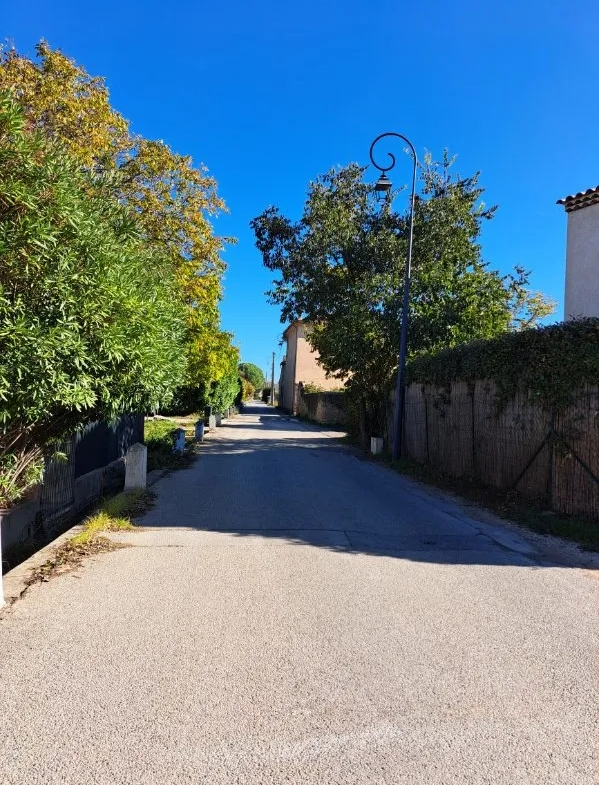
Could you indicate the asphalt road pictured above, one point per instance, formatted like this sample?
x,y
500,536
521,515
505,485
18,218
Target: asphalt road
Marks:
x,y
294,614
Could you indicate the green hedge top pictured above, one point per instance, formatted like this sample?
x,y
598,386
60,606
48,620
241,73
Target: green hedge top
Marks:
x,y
550,363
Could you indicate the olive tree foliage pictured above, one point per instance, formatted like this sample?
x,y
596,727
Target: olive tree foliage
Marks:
x,y
91,324
341,266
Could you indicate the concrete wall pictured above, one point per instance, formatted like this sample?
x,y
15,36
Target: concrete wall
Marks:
x,y
326,408
18,523
582,263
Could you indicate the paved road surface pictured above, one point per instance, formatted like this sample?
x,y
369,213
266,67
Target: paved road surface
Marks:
x,y
293,614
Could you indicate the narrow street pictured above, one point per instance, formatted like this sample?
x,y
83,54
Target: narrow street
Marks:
x,y
292,613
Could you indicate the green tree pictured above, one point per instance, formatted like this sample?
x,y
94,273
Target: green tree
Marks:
x,y
224,392
174,200
253,374
247,389
91,324
341,267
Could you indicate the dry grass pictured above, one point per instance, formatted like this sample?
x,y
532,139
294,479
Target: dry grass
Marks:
x,y
129,504
114,515
100,522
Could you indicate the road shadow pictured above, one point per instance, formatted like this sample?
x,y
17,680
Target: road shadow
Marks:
x,y
296,484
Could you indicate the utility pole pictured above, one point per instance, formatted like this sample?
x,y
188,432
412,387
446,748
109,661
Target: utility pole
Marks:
x,y
272,382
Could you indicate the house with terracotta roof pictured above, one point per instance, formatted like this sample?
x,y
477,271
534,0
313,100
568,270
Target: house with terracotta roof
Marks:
x,y
301,366
582,254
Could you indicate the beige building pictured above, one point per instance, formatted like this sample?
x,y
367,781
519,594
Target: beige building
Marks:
x,y
582,254
300,366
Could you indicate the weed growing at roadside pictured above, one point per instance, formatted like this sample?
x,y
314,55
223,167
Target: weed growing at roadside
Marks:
x,y
114,515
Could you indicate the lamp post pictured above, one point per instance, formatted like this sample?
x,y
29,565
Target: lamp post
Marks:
x,y
383,188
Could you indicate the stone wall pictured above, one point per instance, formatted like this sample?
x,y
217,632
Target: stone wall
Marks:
x,y
326,408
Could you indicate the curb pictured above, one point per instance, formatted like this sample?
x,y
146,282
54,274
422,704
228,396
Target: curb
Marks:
x,y
154,476
15,581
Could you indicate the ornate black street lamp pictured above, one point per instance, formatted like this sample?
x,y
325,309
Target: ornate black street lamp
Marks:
x,y
383,189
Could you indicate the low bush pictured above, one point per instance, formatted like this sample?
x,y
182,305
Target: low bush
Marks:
x,y
159,438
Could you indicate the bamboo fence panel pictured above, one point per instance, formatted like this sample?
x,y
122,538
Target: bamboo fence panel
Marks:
x,y
450,429
415,424
506,440
575,470
518,445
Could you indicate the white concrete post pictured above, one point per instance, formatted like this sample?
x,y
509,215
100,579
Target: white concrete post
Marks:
x,y
219,419
136,465
211,422
199,431
179,445
376,445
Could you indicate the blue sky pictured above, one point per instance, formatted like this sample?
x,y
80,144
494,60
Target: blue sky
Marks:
x,y
270,94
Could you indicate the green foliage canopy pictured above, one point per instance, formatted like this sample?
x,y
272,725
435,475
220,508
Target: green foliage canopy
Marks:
x,y
341,267
550,363
224,392
173,199
253,374
90,321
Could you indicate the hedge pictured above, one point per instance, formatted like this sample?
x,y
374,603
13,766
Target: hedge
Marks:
x,y
549,363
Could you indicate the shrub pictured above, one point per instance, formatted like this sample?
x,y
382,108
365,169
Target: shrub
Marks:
x,y
312,388
224,392
159,439
247,389
91,324
549,363
253,374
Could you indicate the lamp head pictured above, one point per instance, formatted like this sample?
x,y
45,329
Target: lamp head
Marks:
x,y
382,187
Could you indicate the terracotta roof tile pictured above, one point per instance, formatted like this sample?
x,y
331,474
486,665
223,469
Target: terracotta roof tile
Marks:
x,y
580,200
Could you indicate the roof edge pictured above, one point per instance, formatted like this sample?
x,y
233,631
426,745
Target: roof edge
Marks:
x,y
581,199
293,324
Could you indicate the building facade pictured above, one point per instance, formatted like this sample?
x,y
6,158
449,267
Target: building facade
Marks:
x,y
582,254
300,366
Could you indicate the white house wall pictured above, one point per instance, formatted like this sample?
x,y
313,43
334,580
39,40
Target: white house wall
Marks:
x,y
582,263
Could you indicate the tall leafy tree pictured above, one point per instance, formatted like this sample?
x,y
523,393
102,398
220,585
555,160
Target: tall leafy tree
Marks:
x,y
253,374
91,324
341,266
174,199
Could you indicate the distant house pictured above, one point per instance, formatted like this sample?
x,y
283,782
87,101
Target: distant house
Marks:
x,y
300,366
582,254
